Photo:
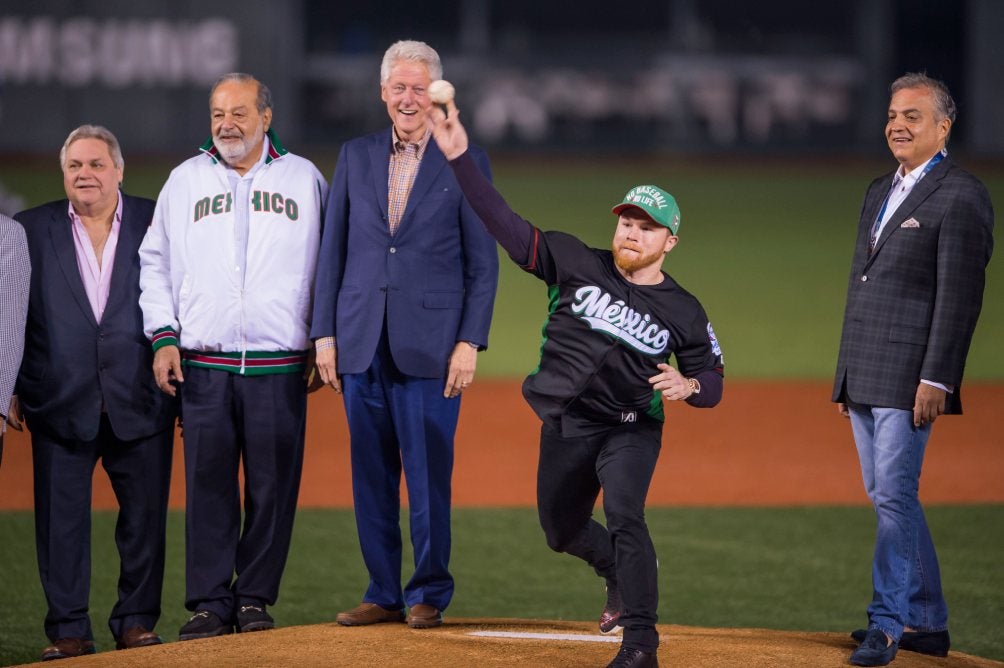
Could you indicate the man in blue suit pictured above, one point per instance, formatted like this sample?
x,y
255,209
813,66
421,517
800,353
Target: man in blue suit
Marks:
x,y
87,391
405,287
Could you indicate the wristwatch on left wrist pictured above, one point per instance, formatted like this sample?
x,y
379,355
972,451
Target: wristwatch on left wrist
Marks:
x,y
695,385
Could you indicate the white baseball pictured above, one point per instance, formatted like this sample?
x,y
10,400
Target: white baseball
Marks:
x,y
441,91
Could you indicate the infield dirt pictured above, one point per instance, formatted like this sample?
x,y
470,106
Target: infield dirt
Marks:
x,y
453,645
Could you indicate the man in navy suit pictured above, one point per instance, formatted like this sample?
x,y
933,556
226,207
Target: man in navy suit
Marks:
x,y
913,299
405,287
87,391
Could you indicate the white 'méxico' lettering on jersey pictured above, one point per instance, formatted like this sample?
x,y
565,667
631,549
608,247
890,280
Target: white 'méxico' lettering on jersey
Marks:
x,y
599,310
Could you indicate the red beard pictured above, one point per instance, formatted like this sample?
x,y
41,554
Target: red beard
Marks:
x,y
633,264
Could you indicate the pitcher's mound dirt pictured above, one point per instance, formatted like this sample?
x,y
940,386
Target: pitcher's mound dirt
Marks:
x,y
453,645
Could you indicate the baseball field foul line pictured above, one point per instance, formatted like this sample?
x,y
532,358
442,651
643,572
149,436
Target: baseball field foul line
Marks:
x,y
544,636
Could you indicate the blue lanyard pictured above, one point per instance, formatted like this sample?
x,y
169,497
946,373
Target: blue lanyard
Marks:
x,y
938,157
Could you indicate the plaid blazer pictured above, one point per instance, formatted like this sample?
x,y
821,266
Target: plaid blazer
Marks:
x,y
15,273
912,304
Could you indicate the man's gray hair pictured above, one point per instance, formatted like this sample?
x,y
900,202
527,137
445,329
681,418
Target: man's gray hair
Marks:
x,y
264,100
93,132
412,52
943,102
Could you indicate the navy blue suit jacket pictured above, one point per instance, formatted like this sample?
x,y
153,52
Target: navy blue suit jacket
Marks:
x,y
433,282
72,364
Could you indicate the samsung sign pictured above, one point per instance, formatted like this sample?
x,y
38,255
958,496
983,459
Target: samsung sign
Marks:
x,y
116,53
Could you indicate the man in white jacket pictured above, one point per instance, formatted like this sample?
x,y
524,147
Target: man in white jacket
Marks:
x,y
227,274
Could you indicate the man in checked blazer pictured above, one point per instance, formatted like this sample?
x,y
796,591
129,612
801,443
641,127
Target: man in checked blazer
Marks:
x,y
913,299
87,391
15,271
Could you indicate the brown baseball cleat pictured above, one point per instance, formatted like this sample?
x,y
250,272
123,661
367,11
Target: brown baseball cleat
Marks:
x,y
368,613
612,611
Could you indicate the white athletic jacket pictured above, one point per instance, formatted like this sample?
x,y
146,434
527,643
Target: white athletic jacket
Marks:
x,y
195,292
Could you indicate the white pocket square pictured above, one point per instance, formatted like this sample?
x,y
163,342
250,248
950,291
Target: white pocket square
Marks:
x,y
910,222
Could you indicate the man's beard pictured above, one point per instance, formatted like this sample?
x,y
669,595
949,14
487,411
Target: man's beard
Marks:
x,y
631,265
232,153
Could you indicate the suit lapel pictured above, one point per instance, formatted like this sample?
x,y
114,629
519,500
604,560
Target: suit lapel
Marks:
x,y
61,234
432,164
380,165
131,233
921,191
873,204
869,212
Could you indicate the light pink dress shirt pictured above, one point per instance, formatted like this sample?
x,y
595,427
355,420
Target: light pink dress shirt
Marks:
x,y
97,278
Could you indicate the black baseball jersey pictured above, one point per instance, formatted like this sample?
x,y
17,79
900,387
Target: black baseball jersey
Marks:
x,y
605,335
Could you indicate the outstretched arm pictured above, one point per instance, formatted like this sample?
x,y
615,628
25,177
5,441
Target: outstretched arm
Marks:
x,y
513,233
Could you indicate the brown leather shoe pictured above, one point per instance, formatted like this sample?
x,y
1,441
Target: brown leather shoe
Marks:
x,y
138,636
422,616
368,613
66,648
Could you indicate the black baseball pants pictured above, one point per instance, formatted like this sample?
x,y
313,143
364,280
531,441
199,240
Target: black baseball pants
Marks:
x,y
570,474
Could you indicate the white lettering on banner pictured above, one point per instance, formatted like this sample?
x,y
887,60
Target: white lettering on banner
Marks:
x,y
596,308
116,53
26,51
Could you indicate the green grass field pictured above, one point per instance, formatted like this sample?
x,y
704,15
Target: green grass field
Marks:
x,y
765,246
802,569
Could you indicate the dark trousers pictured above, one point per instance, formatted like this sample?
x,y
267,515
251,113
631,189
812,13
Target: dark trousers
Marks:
x,y
229,418
394,421
570,474
140,474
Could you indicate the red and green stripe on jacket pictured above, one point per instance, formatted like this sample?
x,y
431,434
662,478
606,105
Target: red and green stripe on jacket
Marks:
x,y
246,363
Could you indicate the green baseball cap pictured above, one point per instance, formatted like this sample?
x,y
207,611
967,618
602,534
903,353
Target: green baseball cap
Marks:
x,y
657,204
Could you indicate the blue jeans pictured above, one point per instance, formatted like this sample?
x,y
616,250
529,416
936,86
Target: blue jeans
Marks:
x,y
905,574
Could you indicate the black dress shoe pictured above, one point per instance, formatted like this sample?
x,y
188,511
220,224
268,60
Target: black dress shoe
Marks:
x,y
874,650
204,624
254,618
932,643
634,658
